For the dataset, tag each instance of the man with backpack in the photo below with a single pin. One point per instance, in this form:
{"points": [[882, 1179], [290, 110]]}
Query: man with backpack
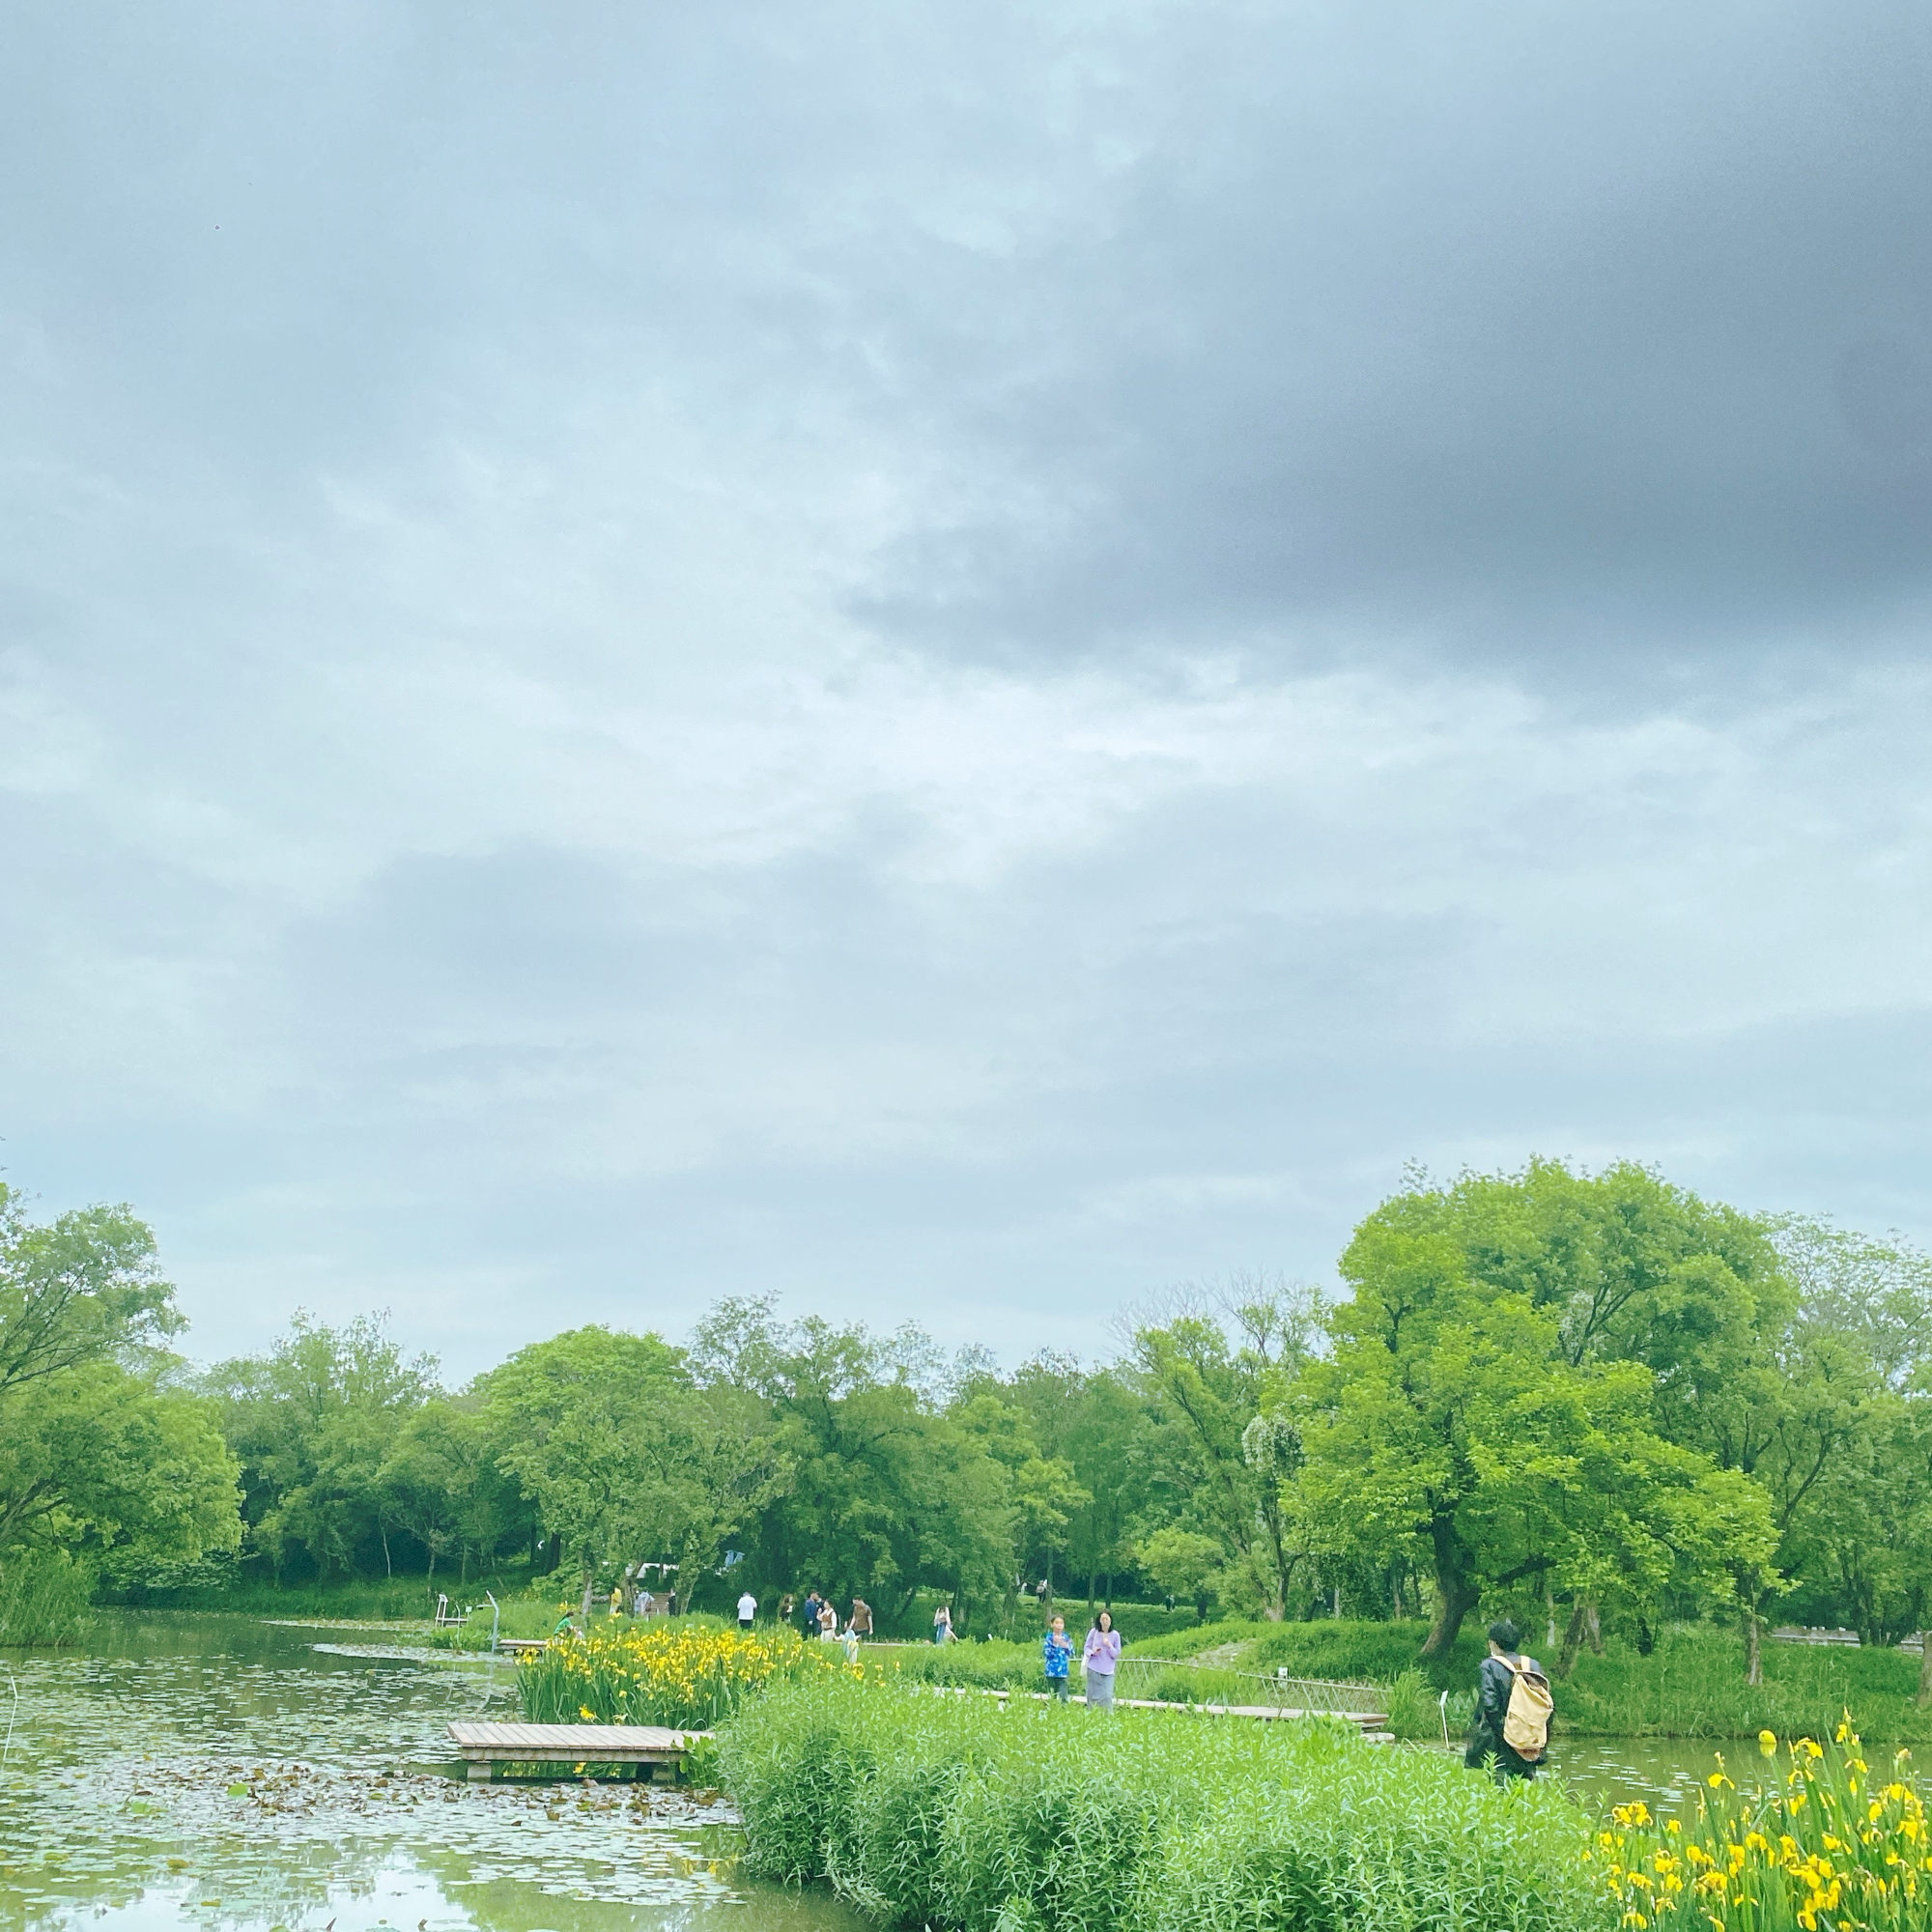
{"points": [[1510, 1729]]}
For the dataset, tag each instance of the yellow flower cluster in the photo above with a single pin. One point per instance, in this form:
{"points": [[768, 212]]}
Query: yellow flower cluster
{"points": [[1827, 1850], [688, 1675]]}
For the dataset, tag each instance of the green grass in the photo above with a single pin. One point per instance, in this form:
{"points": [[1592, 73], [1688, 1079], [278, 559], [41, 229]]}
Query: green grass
{"points": [[1195, 1638], [1691, 1686], [1372, 1653], [992, 1665], [961, 1813]]}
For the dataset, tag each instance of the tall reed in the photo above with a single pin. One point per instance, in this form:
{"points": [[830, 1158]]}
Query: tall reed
{"points": [[44, 1598]]}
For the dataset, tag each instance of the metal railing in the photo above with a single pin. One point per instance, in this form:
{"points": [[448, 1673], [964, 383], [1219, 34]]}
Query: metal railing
{"points": [[1209, 1684]]}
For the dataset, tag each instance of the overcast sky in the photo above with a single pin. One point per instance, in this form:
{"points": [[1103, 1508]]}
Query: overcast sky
{"points": [[953, 660]]}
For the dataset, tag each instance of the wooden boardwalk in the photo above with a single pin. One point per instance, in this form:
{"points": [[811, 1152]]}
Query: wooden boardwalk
{"points": [[638, 1747]]}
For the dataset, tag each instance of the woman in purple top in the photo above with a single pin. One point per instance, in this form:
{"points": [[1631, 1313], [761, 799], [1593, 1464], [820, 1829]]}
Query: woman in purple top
{"points": [[1102, 1654]]}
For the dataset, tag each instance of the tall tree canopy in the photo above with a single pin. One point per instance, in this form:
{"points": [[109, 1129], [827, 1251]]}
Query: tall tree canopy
{"points": [[102, 1453]]}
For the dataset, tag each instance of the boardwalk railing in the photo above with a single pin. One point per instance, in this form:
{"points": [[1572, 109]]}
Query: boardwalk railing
{"points": [[1155, 1677]]}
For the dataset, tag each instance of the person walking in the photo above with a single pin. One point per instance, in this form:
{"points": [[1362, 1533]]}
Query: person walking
{"points": [[1510, 1731], [941, 1624], [1099, 1659], [1057, 1650], [828, 1621], [808, 1615], [785, 1607], [748, 1610], [860, 1623]]}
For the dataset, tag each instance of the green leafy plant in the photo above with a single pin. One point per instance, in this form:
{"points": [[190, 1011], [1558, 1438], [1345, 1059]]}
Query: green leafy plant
{"points": [[964, 1812]]}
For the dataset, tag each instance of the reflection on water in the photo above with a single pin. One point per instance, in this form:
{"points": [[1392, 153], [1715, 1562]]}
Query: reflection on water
{"points": [[221, 1773]]}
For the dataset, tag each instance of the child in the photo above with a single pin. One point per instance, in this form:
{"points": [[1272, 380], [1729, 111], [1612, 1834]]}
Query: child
{"points": [[1057, 1650]]}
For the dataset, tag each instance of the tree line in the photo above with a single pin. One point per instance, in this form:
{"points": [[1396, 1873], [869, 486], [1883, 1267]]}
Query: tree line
{"points": [[1592, 1399]]}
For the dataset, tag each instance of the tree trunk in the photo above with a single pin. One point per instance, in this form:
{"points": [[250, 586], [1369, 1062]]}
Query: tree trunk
{"points": [[584, 1608], [388, 1568], [1593, 1629], [1453, 1603], [1925, 1669], [1572, 1638], [1455, 1595], [1337, 1613], [1754, 1649]]}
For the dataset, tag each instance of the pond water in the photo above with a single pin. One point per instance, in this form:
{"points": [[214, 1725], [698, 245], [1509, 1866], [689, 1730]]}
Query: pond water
{"points": [[221, 1773], [241, 1776], [1665, 1773]]}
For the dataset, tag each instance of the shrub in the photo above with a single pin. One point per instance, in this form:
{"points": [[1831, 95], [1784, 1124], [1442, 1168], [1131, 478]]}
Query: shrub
{"points": [[961, 1812], [1136, 1621]]}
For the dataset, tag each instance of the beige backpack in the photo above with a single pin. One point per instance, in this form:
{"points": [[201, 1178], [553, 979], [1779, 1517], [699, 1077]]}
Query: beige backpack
{"points": [[1526, 1721]]}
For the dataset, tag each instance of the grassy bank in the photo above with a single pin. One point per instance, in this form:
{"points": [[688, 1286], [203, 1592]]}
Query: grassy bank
{"points": [[1691, 1685], [382, 1600], [1030, 1818]]}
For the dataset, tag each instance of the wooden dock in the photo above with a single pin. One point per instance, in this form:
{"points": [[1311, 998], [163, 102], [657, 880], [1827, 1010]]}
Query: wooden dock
{"points": [[640, 1748]]}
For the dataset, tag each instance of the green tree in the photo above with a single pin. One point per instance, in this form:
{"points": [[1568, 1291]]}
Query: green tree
{"points": [[625, 1456], [1458, 1414], [313, 1422], [1180, 1561], [100, 1456], [85, 1287], [1093, 1422], [1204, 1390], [889, 1493], [1043, 1490], [119, 1471], [443, 1482]]}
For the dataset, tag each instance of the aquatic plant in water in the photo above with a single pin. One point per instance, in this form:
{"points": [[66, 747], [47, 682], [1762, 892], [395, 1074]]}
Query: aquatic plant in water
{"points": [[687, 1675], [1828, 1846]]}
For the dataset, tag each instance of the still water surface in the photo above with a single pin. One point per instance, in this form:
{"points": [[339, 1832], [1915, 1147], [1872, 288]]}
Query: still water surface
{"points": [[222, 1773]]}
